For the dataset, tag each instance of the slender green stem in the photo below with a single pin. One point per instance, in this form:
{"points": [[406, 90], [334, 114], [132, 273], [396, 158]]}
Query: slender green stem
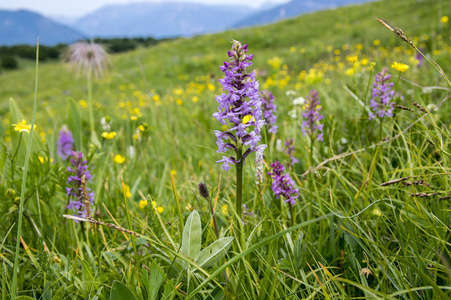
{"points": [[292, 214], [213, 216], [129, 222], [94, 138], [239, 193], [363, 121], [24, 182], [239, 179], [12, 160], [177, 206], [91, 109]]}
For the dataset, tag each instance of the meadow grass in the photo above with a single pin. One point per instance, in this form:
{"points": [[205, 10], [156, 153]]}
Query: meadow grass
{"points": [[372, 220]]}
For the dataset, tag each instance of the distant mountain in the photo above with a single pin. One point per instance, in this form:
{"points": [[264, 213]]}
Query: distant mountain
{"points": [[24, 27], [290, 10], [164, 19]]}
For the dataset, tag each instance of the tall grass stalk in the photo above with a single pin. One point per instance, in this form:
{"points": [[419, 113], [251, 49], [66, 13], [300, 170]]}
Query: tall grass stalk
{"points": [[94, 138], [24, 181]]}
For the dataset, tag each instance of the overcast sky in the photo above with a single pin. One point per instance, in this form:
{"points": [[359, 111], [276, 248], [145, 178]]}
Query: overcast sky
{"points": [[75, 8]]}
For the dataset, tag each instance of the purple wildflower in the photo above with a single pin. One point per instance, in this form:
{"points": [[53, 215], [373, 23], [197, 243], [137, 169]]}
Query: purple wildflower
{"points": [[420, 58], [312, 117], [74, 191], [381, 102], [65, 143], [282, 184], [289, 150], [240, 106], [269, 110]]}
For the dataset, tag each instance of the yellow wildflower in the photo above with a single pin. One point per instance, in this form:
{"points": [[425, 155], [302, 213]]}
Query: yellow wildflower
{"points": [[119, 159], [128, 194], [400, 67], [377, 212], [143, 204], [133, 118], [352, 59], [44, 159], [179, 101], [349, 72], [444, 19], [248, 118], [108, 135], [365, 61], [83, 103], [22, 126], [178, 91], [211, 87], [225, 209], [141, 128], [195, 99], [376, 42], [173, 172]]}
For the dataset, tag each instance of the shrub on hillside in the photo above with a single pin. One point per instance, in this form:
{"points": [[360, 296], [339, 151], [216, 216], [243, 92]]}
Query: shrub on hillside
{"points": [[9, 62]]}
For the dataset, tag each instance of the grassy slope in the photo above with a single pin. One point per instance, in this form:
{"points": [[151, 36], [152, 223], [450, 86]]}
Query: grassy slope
{"points": [[197, 56], [180, 138]]}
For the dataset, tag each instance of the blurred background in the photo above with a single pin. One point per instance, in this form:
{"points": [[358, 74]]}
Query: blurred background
{"points": [[123, 25]]}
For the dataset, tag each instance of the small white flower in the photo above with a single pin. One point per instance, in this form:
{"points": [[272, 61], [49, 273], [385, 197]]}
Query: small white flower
{"points": [[299, 101], [131, 151], [431, 107], [105, 125], [259, 168], [279, 146], [344, 141], [290, 93], [292, 114], [427, 90]]}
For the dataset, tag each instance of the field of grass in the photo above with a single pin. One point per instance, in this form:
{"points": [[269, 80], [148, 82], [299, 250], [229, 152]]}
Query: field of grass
{"points": [[349, 235]]}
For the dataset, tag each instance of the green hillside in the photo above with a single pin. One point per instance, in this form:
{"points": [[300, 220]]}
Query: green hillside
{"points": [[349, 236]]}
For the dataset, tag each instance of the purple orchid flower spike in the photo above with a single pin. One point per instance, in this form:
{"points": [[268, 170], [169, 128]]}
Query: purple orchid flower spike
{"points": [[74, 190], [269, 110], [239, 107], [382, 97], [312, 118], [282, 184], [65, 143]]}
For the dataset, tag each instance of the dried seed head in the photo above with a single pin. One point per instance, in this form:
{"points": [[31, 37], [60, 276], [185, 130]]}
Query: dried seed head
{"points": [[397, 31], [365, 271], [87, 58], [420, 107], [423, 195], [203, 190], [394, 181], [403, 107]]}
